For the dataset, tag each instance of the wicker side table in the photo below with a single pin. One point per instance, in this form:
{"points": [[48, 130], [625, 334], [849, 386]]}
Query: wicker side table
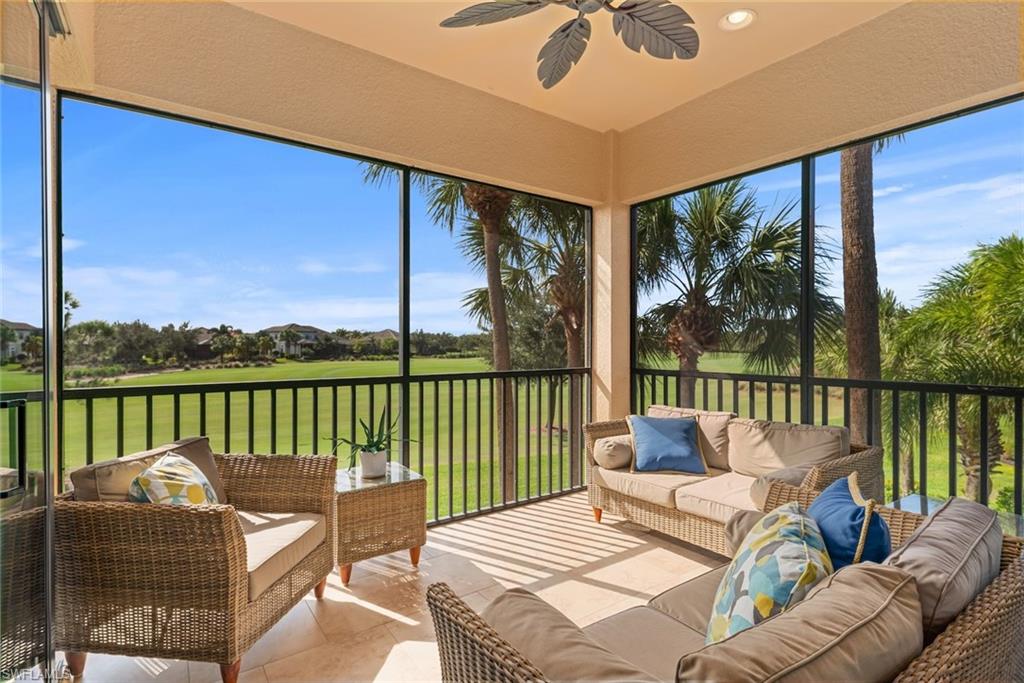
{"points": [[379, 516]]}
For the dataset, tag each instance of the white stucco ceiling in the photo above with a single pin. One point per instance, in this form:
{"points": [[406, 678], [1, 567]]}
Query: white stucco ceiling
{"points": [[612, 88]]}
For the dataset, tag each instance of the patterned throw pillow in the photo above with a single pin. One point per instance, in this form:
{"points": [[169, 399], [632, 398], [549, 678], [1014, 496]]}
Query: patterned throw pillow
{"points": [[172, 480], [776, 565]]}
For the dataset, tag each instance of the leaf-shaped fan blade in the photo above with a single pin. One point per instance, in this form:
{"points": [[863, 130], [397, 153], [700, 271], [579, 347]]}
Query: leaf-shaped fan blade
{"points": [[564, 48], [491, 12], [658, 26]]}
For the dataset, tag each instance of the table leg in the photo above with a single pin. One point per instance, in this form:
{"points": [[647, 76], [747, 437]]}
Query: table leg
{"points": [[346, 573], [414, 556]]}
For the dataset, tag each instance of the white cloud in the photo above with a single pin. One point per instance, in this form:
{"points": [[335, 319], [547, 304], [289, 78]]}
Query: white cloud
{"points": [[1004, 186], [888, 190], [311, 267], [318, 267]]}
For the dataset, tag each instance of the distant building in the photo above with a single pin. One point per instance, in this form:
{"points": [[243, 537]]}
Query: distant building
{"points": [[305, 336], [22, 331], [203, 338]]}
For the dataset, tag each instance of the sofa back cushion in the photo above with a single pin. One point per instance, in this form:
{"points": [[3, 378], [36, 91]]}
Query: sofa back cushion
{"points": [[108, 480], [759, 447], [553, 643], [862, 623], [666, 444], [953, 555], [712, 431]]}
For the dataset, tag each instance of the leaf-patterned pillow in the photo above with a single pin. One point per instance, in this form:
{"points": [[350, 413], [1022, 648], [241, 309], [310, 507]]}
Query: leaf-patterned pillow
{"points": [[776, 565], [172, 480]]}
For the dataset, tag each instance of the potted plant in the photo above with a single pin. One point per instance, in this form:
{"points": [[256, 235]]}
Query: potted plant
{"points": [[373, 448]]}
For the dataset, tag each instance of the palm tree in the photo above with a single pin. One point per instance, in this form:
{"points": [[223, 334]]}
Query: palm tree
{"points": [[264, 344], [733, 272], [70, 304], [860, 280], [473, 207], [290, 338], [33, 347], [969, 330]]}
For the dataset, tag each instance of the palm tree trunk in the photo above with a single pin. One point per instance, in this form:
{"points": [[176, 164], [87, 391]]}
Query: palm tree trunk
{"points": [[969, 445], [491, 207], [688, 383], [860, 286]]}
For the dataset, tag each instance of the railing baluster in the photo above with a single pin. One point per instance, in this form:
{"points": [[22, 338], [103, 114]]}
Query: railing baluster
{"points": [[953, 457], [870, 418], [251, 427], [679, 399], [177, 416], [295, 420], [846, 407], [437, 448], [983, 473], [751, 399], [1018, 452], [419, 425], [789, 402], [515, 441], [770, 390], [149, 421], [736, 396], [227, 421], [561, 433], [664, 391], [719, 394], [824, 404], [353, 408], [922, 443], [89, 419], [551, 429], [526, 438], [479, 400], [490, 441], [273, 421], [387, 411], [641, 382], [120, 426], [704, 393], [316, 421], [451, 448], [465, 448], [202, 413], [334, 419], [540, 434], [895, 444]]}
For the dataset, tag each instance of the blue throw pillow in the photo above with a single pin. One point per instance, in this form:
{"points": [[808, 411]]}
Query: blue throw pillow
{"points": [[666, 444], [843, 515]]}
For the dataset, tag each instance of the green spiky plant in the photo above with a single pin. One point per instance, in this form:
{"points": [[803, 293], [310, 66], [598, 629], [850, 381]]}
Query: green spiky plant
{"points": [[376, 438]]}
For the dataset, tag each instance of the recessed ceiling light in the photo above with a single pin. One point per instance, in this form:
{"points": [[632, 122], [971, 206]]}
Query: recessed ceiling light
{"points": [[737, 19]]}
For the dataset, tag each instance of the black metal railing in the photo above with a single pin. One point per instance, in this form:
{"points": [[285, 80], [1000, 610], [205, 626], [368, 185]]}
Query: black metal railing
{"points": [[939, 439], [482, 440]]}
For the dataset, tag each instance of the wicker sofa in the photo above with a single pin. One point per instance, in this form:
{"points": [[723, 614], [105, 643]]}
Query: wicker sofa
{"points": [[981, 643], [198, 583], [698, 514]]}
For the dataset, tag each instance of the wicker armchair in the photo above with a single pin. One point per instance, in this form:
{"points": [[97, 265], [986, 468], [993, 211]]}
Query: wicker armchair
{"points": [[982, 644], [169, 581], [709, 533]]}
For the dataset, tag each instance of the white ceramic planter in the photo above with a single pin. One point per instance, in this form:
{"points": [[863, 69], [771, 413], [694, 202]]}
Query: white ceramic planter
{"points": [[374, 465]]}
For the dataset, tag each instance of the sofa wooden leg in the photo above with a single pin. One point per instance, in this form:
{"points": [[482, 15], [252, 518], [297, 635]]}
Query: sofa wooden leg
{"points": [[76, 662], [346, 573], [597, 515], [414, 556], [320, 588], [229, 672]]}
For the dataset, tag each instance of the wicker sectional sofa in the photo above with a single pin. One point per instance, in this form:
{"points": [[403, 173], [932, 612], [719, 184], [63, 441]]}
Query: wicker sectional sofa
{"points": [[658, 642], [696, 509]]}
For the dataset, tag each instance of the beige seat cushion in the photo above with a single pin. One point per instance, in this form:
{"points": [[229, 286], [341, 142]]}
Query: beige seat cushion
{"points": [[712, 430], [654, 487], [717, 498], [953, 555], [614, 452], [691, 602], [860, 624], [277, 541], [553, 643], [648, 639], [108, 480], [759, 447]]}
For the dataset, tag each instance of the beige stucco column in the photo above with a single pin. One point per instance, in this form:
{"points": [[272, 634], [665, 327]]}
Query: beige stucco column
{"points": [[610, 360]]}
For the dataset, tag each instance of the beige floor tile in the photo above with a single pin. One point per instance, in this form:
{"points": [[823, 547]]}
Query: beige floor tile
{"points": [[358, 608], [203, 672], [358, 658], [100, 668]]}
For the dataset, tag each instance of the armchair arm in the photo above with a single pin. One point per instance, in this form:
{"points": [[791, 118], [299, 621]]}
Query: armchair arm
{"points": [[279, 483], [599, 430], [124, 567], [866, 461]]}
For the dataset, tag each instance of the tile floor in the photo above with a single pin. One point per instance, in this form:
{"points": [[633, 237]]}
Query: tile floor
{"points": [[379, 629]]}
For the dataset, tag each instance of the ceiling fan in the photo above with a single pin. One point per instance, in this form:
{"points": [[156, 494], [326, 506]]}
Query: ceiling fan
{"points": [[657, 26]]}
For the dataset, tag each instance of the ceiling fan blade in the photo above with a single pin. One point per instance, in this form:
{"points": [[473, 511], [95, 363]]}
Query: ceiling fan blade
{"points": [[492, 12], [564, 49], [658, 26]]}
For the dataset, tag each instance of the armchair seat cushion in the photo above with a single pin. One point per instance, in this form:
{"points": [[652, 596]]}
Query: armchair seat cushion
{"points": [[716, 498], [647, 638], [654, 487], [277, 541]]}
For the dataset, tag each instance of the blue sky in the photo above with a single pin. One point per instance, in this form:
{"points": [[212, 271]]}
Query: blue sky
{"points": [[166, 221], [939, 192]]}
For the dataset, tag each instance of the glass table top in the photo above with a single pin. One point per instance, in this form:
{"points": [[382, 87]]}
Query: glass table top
{"points": [[352, 479]]}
